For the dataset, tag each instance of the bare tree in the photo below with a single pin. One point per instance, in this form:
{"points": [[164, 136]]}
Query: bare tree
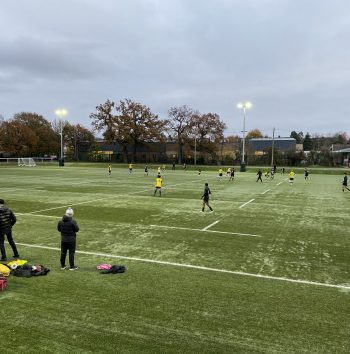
{"points": [[210, 130], [128, 123], [181, 123], [139, 123]]}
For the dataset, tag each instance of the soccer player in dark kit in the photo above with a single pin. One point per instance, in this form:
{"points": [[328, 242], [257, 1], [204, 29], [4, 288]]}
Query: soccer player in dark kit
{"points": [[345, 182], [205, 198], [259, 174]]}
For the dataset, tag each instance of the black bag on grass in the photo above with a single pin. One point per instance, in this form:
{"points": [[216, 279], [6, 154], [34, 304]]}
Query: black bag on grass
{"points": [[114, 270]]}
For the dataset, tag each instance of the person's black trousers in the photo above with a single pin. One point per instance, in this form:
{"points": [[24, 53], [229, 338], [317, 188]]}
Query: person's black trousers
{"points": [[67, 246], [8, 234]]}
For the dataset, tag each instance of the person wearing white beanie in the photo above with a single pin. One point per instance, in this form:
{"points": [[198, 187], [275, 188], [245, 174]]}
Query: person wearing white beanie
{"points": [[68, 228]]}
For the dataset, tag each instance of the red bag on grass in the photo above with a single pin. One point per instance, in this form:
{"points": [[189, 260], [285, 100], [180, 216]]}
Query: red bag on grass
{"points": [[3, 283]]}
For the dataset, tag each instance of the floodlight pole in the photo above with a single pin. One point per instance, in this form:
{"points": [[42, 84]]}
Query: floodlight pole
{"points": [[61, 121], [243, 147], [243, 106], [195, 150], [273, 147], [61, 113]]}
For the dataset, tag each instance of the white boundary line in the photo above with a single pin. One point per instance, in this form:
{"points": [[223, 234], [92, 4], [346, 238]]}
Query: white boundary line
{"points": [[201, 230], [183, 265], [39, 215], [209, 226], [243, 205], [268, 190]]}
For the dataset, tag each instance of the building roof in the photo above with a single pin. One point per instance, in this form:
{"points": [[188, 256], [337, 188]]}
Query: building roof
{"points": [[270, 139], [343, 150]]}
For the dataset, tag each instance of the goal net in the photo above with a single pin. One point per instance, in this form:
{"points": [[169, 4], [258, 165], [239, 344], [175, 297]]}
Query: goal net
{"points": [[26, 161]]}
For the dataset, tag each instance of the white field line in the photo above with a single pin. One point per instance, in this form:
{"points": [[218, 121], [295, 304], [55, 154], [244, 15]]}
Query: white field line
{"points": [[39, 215], [5, 189], [86, 202], [268, 190], [183, 265], [243, 205], [209, 226], [286, 179], [104, 198], [201, 230], [161, 226]]}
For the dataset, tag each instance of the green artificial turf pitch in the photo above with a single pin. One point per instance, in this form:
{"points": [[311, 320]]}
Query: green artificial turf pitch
{"points": [[271, 276]]}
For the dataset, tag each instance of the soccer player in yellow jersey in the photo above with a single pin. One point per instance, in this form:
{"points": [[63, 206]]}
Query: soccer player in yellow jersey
{"points": [[220, 174], [130, 168], [158, 186], [109, 170], [291, 177]]}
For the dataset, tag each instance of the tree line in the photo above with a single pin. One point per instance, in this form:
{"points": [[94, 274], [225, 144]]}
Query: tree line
{"points": [[30, 134], [130, 123], [133, 125]]}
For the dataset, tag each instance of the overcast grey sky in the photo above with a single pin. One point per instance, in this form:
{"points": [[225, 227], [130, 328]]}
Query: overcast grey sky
{"points": [[290, 58]]}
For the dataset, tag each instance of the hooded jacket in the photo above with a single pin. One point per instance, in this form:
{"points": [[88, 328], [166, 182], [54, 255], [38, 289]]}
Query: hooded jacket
{"points": [[7, 218], [68, 228]]}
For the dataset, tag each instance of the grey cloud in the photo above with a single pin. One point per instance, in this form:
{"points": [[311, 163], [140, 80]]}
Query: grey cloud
{"points": [[55, 60], [289, 57]]}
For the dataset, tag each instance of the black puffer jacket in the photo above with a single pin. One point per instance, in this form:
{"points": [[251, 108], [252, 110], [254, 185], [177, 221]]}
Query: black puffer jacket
{"points": [[68, 228], [7, 218]]}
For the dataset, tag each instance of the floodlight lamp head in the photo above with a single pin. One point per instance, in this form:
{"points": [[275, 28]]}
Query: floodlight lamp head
{"points": [[61, 112], [240, 105]]}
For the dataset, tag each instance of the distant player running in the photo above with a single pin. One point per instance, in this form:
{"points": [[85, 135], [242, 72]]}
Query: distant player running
{"points": [[146, 170], [109, 170], [345, 183], [158, 186], [232, 174], [220, 174], [306, 174], [205, 198], [130, 168], [259, 174], [291, 177]]}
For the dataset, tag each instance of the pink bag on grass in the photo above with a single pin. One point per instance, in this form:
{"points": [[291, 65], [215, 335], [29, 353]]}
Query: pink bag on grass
{"points": [[104, 266]]}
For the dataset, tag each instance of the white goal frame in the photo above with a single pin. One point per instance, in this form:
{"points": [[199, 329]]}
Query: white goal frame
{"points": [[26, 162]]}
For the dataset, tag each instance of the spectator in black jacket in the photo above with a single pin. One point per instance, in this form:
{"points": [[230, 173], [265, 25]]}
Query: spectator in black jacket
{"points": [[7, 220], [68, 228]]}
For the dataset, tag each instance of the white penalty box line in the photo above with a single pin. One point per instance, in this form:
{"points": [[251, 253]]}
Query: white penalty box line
{"points": [[209, 226], [104, 198], [205, 230], [243, 205], [268, 190], [190, 266]]}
